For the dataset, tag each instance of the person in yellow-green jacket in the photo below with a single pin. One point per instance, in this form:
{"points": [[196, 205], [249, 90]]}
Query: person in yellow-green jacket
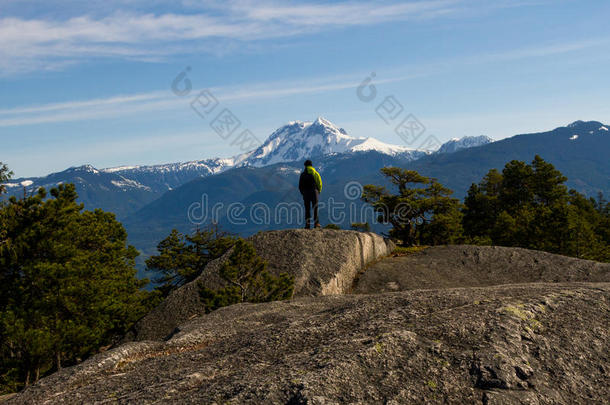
{"points": [[310, 186]]}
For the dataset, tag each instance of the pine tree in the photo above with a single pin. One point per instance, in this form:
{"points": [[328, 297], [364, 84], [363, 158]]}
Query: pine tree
{"points": [[67, 283], [247, 280], [5, 175], [528, 205], [423, 211], [181, 258]]}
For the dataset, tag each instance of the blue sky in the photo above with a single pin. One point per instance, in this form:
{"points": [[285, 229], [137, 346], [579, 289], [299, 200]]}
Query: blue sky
{"points": [[90, 82]]}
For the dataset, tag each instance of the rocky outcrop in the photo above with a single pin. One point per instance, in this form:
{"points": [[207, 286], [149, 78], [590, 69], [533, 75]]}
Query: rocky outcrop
{"points": [[476, 266], [322, 261], [530, 343], [524, 327]]}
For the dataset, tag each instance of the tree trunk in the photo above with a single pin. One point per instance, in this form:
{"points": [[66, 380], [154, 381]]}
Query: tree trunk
{"points": [[27, 378], [58, 360], [37, 375]]}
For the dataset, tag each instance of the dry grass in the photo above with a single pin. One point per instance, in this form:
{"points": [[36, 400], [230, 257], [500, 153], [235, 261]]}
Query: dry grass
{"points": [[407, 251]]}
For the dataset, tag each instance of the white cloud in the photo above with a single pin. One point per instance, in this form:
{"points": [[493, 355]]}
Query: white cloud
{"points": [[164, 100], [123, 105], [28, 44], [137, 30]]}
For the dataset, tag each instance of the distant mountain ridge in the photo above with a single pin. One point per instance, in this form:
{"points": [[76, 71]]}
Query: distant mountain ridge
{"points": [[579, 150], [125, 189]]}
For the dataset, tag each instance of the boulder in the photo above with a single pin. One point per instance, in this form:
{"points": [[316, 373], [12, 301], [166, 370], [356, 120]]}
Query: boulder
{"points": [[476, 266], [322, 261]]}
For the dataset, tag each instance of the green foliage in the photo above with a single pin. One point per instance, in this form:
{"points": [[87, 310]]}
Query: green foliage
{"points": [[181, 258], [5, 175], [67, 284], [247, 280], [423, 211], [361, 226], [332, 226], [528, 205]]}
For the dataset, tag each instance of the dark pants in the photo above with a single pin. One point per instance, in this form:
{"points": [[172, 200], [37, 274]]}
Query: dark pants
{"points": [[311, 200]]}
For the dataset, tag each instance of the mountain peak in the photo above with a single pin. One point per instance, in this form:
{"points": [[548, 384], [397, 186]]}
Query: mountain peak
{"points": [[456, 144], [300, 140], [576, 124], [84, 168], [323, 121], [322, 124], [580, 123]]}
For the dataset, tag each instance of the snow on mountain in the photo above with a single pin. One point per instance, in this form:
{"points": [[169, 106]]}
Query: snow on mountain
{"points": [[456, 144], [128, 183], [576, 124], [83, 168], [300, 140], [372, 144], [210, 166], [24, 183], [297, 140], [582, 129]]}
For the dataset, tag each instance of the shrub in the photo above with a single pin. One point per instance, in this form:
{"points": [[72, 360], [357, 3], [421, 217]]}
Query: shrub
{"points": [[182, 258], [247, 280], [361, 226]]}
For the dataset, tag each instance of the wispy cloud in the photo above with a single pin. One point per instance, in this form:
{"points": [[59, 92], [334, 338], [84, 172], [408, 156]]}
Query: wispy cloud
{"points": [[47, 42], [123, 105], [164, 100]]}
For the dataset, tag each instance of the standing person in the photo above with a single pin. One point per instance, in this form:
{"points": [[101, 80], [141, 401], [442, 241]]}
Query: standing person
{"points": [[310, 186]]}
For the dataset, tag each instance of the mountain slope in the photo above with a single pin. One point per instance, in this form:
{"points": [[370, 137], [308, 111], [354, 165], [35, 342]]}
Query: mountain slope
{"points": [[583, 160], [95, 188]]}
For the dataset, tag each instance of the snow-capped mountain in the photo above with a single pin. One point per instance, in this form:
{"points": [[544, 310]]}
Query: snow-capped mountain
{"points": [[456, 144], [126, 188], [300, 140]]}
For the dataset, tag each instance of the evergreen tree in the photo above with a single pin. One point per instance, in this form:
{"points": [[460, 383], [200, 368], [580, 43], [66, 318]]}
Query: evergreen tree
{"points": [[482, 204], [528, 205], [181, 258], [423, 211], [602, 228], [5, 175], [247, 280], [445, 217], [67, 284]]}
